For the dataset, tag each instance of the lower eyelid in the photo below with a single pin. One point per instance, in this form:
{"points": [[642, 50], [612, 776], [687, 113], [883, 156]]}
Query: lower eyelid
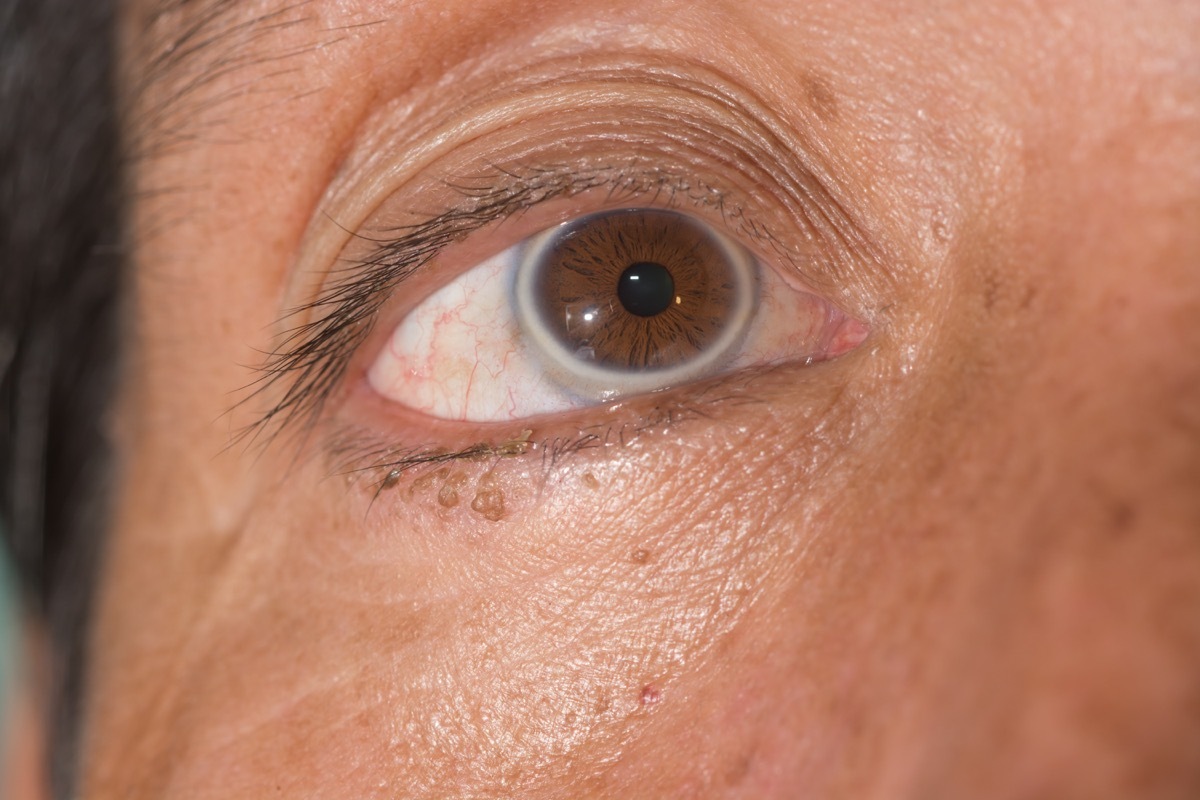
{"points": [[404, 445]]}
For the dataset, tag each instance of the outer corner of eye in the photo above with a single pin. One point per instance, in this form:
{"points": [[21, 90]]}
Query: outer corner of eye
{"points": [[607, 305]]}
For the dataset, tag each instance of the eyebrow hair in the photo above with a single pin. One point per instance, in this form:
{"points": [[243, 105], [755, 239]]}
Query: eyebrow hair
{"points": [[184, 28], [171, 33], [183, 47]]}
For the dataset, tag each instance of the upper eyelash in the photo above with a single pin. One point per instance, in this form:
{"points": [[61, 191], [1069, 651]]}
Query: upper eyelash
{"points": [[311, 359]]}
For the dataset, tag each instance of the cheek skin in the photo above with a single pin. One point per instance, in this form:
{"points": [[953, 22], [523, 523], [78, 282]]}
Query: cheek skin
{"points": [[512, 657]]}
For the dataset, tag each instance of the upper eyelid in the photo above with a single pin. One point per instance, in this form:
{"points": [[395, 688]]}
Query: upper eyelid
{"points": [[693, 110], [509, 192]]}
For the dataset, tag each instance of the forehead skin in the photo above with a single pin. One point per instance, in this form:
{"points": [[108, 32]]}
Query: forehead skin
{"points": [[961, 561]]}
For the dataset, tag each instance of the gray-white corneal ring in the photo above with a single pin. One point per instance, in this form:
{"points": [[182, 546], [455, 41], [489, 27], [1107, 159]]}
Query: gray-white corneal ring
{"points": [[595, 382]]}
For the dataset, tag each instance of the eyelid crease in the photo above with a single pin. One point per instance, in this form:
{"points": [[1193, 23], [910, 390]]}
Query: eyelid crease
{"points": [[694, 109]]}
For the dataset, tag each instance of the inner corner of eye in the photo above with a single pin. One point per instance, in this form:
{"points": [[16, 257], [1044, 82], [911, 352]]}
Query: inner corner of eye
{"points": [[604, 306]]}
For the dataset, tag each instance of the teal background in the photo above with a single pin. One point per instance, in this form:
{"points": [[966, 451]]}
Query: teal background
{"points": [[8, 637]]}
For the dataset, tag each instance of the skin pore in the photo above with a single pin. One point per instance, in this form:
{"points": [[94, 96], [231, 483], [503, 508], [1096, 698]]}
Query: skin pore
{"points": [[958, 560]]}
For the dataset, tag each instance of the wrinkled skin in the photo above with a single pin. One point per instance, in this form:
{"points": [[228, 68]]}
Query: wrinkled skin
{"points": [[961, 560]]}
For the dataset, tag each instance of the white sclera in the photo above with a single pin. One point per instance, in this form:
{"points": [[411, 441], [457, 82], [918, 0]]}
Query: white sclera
{"points": [[460, 354], [463, 354]]}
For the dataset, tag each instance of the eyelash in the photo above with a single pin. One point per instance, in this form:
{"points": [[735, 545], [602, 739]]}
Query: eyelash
{"points": [[362, 455], [311, 360]]}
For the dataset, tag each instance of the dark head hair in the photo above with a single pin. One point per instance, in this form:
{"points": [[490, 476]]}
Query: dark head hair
{"points": [[59, 287]]}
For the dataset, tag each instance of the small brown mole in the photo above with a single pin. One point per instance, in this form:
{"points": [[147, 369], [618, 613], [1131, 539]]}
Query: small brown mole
{"points": [[489, 503], [390, 480], [448, 495], [589, 480], [821, 96], [423, 482], [640, 556]]}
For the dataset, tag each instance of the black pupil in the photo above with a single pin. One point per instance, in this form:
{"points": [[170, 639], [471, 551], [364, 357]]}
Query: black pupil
{"points": [[646, 289]]}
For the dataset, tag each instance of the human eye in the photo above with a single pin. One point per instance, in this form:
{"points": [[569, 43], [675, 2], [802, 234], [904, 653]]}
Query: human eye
{"points": [[605, 306], [482, 286]]}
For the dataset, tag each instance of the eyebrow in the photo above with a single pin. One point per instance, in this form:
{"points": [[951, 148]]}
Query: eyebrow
{"points": [[180, 30], [182, 47]]}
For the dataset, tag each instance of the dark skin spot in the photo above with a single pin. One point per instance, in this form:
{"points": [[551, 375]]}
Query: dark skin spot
{"points": [[425, 481], [1002, 293], [489, 503], [1122, 517], [739, 768], [990, 291], [1028, 297], [448, 496], [821, 97]]}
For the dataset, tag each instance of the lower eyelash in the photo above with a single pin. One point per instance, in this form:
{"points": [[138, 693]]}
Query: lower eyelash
{"points": [[386, 466]]}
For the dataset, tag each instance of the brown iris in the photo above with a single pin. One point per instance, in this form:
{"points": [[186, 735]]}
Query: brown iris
{"points": [[635, 289]]}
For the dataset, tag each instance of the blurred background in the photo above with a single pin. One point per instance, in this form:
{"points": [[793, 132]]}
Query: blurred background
{"points": [[10, 656]]}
